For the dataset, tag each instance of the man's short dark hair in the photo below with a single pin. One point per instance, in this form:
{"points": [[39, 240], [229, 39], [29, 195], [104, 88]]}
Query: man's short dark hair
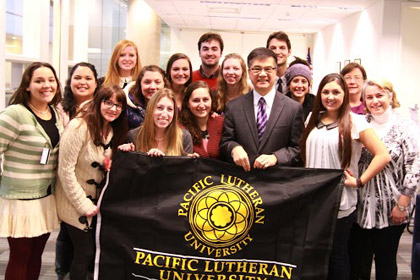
{"points": [[209, 36], [260, 53], [281, 36]]}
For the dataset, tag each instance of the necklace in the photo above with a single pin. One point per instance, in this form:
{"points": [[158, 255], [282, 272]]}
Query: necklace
{"points": [[160, 139], [39, 111]]}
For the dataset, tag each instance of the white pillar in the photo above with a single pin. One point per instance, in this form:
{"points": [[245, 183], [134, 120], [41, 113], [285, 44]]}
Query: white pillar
{"points": [[81, 31], [56, 35], [44, 34], [143, 28], [64, 41]]}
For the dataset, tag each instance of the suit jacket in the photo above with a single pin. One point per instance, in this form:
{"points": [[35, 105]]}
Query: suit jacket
{"points": [[282, 134]]}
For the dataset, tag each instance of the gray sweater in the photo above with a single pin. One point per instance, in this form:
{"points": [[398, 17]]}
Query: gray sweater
{"points": [[187, 144]]}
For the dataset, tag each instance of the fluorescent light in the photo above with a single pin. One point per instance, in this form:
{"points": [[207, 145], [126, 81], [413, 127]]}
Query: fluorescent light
{"points": [[224, 10], [322, 7]]}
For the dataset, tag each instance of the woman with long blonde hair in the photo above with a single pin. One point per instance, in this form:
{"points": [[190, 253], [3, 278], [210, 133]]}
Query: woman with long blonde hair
{"points": [[232, 80], [124, 65], [160, 135]]}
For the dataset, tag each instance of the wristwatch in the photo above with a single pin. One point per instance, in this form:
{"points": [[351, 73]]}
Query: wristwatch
{"points": [[402, 208]]}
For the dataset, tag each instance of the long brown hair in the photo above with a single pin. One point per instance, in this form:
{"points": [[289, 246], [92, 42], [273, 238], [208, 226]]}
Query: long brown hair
{"points": [[113, 74], [136, 91], [222, 85], [95, 122], [343, 119], [188, 120], [22, 95], [147, 134], [171, 61]]}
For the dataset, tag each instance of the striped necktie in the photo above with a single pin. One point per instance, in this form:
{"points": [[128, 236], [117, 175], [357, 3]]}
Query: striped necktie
{"points": [[261, 118], [280, 86]]}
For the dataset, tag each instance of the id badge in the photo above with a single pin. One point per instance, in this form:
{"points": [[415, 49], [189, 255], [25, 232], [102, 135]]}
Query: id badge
{"points": [[45, 156]]}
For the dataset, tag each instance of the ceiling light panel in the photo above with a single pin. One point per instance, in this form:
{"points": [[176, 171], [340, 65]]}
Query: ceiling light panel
{"points": [[351, 4], [255, 15], [223, 10]]}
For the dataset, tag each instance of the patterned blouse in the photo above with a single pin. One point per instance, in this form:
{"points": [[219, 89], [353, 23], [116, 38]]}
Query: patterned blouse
{"points": [[400, 176]]}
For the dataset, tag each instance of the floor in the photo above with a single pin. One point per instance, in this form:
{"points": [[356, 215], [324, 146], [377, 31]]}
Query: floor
{"points": [[47, 272]]}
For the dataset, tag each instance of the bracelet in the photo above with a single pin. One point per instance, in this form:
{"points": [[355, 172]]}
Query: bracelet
{"points": [[402, 208], [359, 183]]}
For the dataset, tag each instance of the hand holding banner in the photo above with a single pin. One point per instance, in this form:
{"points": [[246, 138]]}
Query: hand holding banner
{"points": [[177, 218]]}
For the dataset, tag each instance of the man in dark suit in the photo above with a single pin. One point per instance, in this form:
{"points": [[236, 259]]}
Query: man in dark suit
{"points": [[262, 128]]}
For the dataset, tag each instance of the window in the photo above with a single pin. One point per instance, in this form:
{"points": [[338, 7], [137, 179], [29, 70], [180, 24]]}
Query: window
{"points": [[107, 26], [165, 44], [14, 26]]}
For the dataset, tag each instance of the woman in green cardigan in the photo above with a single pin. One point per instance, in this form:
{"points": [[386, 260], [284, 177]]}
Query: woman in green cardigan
{"points": [[30, 130]]}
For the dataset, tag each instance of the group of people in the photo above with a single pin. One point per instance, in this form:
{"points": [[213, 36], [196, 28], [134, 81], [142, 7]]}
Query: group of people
{"points": [[58, 147]]}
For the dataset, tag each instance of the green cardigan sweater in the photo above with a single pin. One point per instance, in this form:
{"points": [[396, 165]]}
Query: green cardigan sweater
{"points": [[22, 140]]}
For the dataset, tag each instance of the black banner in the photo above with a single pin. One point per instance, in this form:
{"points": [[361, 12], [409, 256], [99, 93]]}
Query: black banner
{"points": [[176, 218]]}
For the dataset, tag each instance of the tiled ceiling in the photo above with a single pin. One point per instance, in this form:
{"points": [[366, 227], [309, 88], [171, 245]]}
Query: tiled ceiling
{"points": [[293, 16]]}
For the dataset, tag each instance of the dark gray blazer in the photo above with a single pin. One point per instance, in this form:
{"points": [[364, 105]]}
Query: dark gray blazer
{"points": [[281, 137]]}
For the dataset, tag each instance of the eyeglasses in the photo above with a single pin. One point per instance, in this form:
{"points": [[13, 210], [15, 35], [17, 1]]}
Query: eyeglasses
{"points": [[259, 69], [354, 78], [109, 104]]}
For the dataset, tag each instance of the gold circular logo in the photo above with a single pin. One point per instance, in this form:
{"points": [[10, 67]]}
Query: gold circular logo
{"points": [[221, 215]]}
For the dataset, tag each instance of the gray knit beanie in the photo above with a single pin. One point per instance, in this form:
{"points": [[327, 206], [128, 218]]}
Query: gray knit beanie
{"points": [[298, 70]]}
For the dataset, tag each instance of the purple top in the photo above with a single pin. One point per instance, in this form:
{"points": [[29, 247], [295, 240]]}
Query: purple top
{"points": [[360, 110]]}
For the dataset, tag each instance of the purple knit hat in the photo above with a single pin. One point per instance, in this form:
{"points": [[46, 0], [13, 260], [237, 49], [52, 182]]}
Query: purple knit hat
{"points": [[298, 70]]}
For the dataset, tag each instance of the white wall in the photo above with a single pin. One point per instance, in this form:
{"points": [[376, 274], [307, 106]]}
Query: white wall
{"points": [[409, 90], [357, 36], [185, 41], [384, 36]]}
